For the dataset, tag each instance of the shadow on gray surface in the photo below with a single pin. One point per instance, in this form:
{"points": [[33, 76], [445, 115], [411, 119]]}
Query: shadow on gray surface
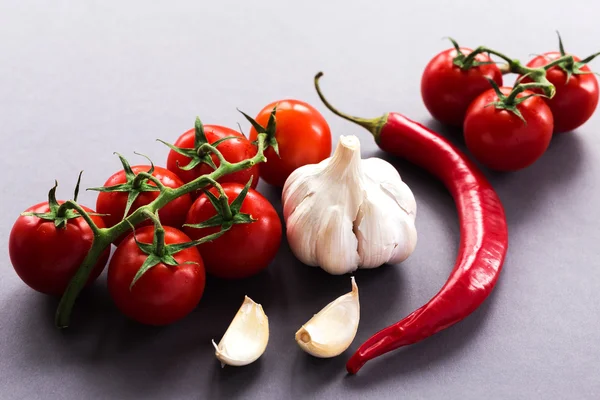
{"points": [[524, 192]]}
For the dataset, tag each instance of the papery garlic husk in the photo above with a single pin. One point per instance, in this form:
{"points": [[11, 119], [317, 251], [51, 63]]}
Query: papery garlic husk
{"points": [[330, 332], [346, 213], [246, 337]]}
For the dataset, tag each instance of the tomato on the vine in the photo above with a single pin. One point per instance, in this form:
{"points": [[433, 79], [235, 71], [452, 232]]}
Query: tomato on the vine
{"points": [[46, 256], [500, 139], [164, 293], [447, 89], [113, 203], [576, 98], [246, 248], [303, 137], [235, 149]]}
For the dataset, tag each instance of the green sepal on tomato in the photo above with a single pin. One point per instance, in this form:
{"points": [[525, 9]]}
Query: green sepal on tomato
{"points": [[252, 231], [508, 132], [453, 79], [576, 86], [124, 192], [301, 136], [47, 245], [188, 161], [156, 285]]}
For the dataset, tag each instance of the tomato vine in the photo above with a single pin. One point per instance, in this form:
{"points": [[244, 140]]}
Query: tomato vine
{"points": [[103, 237]]}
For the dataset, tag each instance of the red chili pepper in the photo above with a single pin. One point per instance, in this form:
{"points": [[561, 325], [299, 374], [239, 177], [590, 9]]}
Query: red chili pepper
{"points": [[484, 234]]}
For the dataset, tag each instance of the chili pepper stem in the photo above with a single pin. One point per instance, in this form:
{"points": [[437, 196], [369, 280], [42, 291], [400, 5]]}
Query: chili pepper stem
{"points": [[373, 125]]}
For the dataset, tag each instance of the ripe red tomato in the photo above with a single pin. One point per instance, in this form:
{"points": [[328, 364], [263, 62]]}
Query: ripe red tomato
{"points": [[46, 257], [499, 139], [164, 294], [303, 137], [244, 250], [113, 203], [234, 150], [575, 101], [447, 90]]}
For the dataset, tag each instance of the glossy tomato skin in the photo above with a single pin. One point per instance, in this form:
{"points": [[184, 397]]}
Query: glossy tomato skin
{"points": [[244, 250], [45, 257], [575, 101], [234, 150], [303, 137], [500, 140], [113, 203], [447, 90], [164, 294]]}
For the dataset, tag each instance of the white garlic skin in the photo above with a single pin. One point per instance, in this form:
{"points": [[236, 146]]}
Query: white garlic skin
{"points": [[346, 213]]}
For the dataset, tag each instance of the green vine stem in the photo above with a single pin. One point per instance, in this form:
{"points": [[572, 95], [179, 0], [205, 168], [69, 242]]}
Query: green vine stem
{"points": [[514, 66], [103, 237], [223, 199]]}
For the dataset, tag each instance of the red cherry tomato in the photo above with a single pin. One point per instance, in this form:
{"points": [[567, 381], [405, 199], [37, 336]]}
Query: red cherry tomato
{"points": [[499, 139], [113, 203], [234, 150], [447, 90], [303, 137], [164, 294], [575, 101], [244, 250], [46, 257]]}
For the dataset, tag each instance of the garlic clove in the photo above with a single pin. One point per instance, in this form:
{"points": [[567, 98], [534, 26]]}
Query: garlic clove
{"points": [[330, 332], [246, 337]]}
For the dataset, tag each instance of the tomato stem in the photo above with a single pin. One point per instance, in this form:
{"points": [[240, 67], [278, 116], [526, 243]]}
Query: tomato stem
{"points": [[63, 312], [482, 49], [519, 88], [103, 237], [224, 200], [568, 60], [72, 204]]}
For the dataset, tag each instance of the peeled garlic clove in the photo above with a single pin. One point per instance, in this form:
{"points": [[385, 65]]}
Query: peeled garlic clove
{"points": [[246, 337], [330, 332]]}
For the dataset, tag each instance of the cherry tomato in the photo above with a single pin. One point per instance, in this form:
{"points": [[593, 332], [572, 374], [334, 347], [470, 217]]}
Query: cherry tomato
{"points": [[244, 250], [46, 257], [113, 203], [575, 101], [499, 139], [447, 90], [234, 150], [164, 294], [303, 137]]}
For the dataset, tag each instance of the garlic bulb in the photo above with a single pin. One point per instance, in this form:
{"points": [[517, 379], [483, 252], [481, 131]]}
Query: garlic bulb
{"points": [[346, 213], [330, 332], [246, 338]]}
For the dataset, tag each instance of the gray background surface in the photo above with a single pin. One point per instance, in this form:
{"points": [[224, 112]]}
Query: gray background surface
{"points": [[79, 80]]}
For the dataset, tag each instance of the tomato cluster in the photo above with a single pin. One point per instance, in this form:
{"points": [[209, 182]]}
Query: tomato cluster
{"points": [[157, 272], [554, 93]]}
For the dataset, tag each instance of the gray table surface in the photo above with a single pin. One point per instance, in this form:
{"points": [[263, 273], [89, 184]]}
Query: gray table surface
{"points": [[79, 80]]}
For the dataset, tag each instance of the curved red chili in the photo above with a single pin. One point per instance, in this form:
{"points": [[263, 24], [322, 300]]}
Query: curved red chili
{"points": [[483, 233]]}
